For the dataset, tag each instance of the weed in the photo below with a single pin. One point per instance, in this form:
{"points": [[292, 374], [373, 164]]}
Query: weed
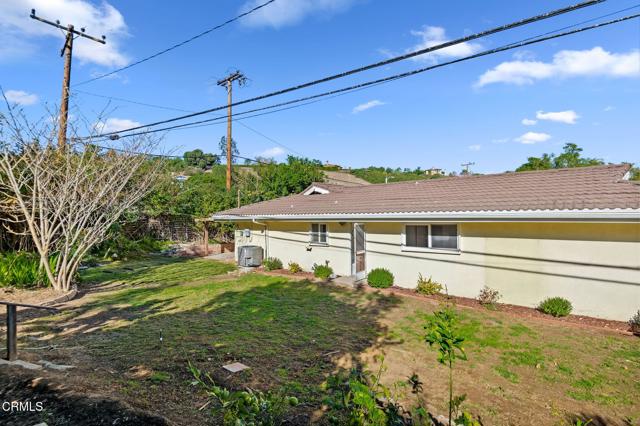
{"points": [[272, 263], [428, 286]]}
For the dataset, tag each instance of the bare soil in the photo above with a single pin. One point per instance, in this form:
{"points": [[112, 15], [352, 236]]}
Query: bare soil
{"points": [[519, 311]]}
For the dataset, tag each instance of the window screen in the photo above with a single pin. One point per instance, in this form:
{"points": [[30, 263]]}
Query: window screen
{"points": [[444, 236], [319, 233], [417, 236]]}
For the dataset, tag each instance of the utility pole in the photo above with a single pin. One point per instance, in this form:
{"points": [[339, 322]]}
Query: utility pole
{"points": [[67, 50], [466, 167], [228, 83]]}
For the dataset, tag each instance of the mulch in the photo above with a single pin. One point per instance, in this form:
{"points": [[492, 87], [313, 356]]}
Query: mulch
{"points": [[517, 311], [287, 273]]}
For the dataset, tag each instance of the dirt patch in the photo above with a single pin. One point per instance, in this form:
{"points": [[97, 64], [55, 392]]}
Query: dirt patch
{"points": [[32, 297], [515, 310], [287, 273], [57, 405]]}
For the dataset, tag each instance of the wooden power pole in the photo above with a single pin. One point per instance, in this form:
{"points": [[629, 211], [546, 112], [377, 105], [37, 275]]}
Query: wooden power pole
{"points": [[67, 50], [228, 83]]}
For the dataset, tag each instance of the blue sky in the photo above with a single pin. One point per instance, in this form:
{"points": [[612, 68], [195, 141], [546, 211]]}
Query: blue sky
{"points": [[583, 88]]}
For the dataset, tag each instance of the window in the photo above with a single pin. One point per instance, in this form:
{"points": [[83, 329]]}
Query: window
{"points": [[417, 236], [318, 233], [431, 236], [444, 236]]}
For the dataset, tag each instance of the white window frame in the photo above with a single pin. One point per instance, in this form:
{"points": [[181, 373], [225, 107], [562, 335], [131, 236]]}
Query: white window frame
{"points": [[429, 249], [326, 233]]}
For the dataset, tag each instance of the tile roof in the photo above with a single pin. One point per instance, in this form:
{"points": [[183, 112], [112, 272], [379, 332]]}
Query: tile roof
{"points": [[585, 188]]}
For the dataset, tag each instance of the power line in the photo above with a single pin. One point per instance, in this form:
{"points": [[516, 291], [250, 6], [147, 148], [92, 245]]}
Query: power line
{"points": [[180, 157], [216, 120], [131, 101], [378, 64], [338, 92], [182, 43], [186, 110]]}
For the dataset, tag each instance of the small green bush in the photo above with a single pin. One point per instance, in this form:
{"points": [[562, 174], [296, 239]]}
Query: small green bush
{"points": [[380, 278], [22, 270], [272, 263], [294, 267], [322, 271], [244, 407], [556, 306], [428, 286]]}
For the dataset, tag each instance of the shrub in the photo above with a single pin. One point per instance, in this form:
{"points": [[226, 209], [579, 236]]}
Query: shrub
{"points": [[118, 246], [245, 407], [428, 286], [380, 278], [488, 296], [634, 322], [272, 263], [358, 397], [322, 271], [294, 267], [556, 306], [22, 270]]}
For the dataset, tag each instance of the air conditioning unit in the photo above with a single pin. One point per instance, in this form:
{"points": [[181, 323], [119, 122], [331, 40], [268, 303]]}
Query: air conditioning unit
{"points": [[250, 256]]}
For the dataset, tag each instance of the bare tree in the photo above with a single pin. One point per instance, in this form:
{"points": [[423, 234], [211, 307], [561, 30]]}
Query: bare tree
{"points": [[67, 199]]}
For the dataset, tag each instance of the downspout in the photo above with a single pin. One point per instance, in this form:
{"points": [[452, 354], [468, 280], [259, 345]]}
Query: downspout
{"points": [[266, 236]]}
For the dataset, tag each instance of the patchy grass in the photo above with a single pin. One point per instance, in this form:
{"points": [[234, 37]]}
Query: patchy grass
{"points": [[157, 314]]}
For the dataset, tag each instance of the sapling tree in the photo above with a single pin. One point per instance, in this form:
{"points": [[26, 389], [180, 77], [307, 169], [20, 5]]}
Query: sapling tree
{"points": [[442, 333], [66, 199]]}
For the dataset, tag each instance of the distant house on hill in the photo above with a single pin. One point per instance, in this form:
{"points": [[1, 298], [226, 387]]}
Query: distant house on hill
{"points": [[434, 171], [330, 166], [572, 233]]}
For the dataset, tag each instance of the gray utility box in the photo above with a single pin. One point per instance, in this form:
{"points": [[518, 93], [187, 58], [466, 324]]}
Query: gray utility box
{"points": [[250, 256]]}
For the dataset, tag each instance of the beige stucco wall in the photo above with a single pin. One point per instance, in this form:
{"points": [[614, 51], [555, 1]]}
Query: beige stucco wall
{"points": [[594, 265], [289, 242]]}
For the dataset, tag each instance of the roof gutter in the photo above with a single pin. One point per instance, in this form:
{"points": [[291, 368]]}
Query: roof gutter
{"points": [[593, 215]]}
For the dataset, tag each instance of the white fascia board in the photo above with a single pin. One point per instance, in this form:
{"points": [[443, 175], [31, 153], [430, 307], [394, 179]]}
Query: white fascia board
{"points": [[597, 215], [317, 189]]}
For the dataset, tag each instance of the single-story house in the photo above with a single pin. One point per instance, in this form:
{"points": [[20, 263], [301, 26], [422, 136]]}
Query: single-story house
{"points": [[573, 233]]}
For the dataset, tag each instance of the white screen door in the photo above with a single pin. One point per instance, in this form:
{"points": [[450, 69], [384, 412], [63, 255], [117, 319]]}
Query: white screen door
{"points": [[359, 251]]}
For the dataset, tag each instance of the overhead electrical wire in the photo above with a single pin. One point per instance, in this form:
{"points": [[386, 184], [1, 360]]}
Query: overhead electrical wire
{"points": [[186, 110], [337, 92], [419, 52], [177, 45]]}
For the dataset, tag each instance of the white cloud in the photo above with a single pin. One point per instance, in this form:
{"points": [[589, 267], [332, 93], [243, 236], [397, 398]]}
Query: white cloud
{"points": [[524, 55], [566, 63], [530, 138], [433, 36], [20, 97], [609, 108], [500, 141], [115, 125], [290, 12], [367, 105], [97, 19], [568, 117], [276, 151], [475, 147], [528, 122]]}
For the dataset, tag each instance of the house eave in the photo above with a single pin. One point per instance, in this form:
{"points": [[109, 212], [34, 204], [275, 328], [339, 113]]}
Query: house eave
{"points": [[586, 215]]}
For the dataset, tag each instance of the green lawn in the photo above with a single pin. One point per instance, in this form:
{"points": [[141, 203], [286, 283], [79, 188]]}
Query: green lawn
{"points": [[136, 332]]}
